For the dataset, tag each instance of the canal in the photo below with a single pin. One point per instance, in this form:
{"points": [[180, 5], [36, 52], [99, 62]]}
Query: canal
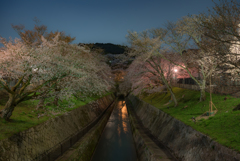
{"points": [[116, 142]]}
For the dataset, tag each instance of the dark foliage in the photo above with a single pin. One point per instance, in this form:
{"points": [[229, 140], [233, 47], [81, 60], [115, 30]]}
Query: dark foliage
{"points": [[107, 48]]}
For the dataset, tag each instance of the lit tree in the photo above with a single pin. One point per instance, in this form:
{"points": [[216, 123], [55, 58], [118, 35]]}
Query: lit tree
{"points": [[177, 38], [221, 26], [41, 69], [141, 77], [149, 65], [32, 38]]}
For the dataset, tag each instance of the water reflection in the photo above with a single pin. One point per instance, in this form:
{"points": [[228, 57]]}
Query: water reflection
{"points": [[124, 117], [116, 142]]}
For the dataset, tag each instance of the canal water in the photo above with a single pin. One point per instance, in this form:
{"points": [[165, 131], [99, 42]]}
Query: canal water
{"points": [[116, 142]]}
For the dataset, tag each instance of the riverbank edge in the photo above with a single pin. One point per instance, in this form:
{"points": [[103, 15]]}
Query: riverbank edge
{"points": [[84, 148], [182, 140], [146, 148], [52, 138]]}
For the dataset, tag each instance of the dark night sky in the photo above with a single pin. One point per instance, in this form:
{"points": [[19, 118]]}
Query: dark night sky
{"points": [[91, 21]]}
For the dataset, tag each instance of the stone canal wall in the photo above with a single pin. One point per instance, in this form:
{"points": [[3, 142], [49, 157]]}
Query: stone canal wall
{"points": [[182, 140], [47, 141], [147, 146], [84, 148]]}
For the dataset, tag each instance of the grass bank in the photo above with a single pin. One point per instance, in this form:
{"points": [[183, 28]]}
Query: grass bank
{"points": [[25, 114], [223, 127]]}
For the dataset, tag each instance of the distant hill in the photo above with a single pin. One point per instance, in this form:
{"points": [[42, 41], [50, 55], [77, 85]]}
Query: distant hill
{"points": [[107, 48]]}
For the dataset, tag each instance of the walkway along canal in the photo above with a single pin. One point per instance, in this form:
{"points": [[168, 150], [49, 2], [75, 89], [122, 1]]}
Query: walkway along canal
{"points": [[116, 142]]}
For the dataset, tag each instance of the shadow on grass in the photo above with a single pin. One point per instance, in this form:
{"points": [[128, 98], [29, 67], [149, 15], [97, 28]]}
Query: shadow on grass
{"points": [[12, 121]]}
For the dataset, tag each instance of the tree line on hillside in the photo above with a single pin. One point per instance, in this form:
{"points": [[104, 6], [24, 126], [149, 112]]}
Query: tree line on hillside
{"points": [[207, 43], [106, 48]]}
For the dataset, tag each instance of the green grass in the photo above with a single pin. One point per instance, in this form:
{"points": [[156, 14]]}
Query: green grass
{"points": [[25, 114], [224, 127]]}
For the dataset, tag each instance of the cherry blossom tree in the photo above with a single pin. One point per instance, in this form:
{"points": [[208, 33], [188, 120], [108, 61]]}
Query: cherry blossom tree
{"points": [[138, 79], [221, 26], [215, 38], [148, 70], [52, 65], [33, 37], [178, 37]]}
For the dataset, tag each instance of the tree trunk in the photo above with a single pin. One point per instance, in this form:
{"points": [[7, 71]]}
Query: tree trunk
{"points": [[173, 97], [57, 91], [171, 92], [55, 102], [56, 98], [9, 107], [202, 90], [41, 103], [158, 67]]}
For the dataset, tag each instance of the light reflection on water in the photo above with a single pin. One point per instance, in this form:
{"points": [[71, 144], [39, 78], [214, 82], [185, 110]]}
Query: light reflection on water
{"points": [[116, 142], [124, 117]]}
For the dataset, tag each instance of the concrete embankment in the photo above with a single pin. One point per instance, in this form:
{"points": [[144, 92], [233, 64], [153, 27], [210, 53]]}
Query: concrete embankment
{"points": [[84, 148], [49, 140], [180, 139], [147, 146]]}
